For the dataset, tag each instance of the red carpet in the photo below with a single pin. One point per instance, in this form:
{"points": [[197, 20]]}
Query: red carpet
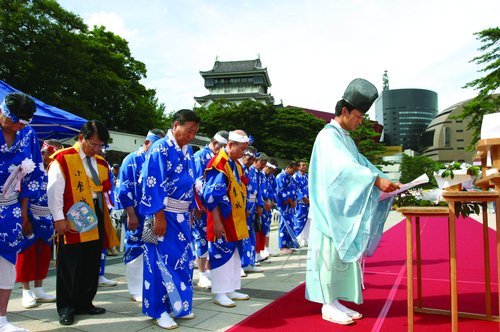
{"points": [[384, 307]]}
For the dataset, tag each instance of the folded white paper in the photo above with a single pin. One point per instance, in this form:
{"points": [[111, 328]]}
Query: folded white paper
{"points": [[420, 180]]}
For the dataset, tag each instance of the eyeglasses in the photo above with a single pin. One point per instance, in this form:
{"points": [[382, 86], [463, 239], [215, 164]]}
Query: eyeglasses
{"points": [[95, 146]]}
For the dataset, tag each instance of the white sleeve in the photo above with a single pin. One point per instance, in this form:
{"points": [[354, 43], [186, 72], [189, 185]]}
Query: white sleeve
{"points": [[55, 190]]}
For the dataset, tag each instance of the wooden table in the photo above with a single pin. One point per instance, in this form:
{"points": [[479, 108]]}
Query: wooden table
{"points": [[416, 212], [486, 149], [483, 197]]}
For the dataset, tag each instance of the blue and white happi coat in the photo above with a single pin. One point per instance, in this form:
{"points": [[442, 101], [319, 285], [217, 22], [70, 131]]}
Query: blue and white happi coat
{"points": [[25, 148], [302, 209], [128, 193], [168, 185], [268, 194], [40, 217], [285, 189], [254, 199], [215, 194], [201, 159]]}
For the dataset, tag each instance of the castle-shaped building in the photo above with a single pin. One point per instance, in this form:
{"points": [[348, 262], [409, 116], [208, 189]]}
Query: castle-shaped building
{"points": [[236, 81]]}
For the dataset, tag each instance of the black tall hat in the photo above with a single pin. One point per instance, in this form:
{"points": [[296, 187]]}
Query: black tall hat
{"points": [[361, 94]]}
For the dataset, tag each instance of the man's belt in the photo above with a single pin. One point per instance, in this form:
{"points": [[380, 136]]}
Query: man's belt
{"points": [[9, 200], [177, 206], [39, 210], [252, 198]]}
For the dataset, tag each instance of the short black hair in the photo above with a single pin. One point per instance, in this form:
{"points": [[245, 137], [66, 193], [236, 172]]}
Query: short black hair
{"points": [[340, 104], [184, 115], [291, 164], [20, 105], [95, 127]]}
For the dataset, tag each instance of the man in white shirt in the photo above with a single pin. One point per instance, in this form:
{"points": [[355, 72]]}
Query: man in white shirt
{"points": [[78, 174]]}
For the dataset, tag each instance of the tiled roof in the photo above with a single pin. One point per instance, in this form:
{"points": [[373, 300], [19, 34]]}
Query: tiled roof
{"points": [[235, 97], [236, 66]]}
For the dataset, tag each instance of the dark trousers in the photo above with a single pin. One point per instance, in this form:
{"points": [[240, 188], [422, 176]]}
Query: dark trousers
{"points": [[78, 272]]}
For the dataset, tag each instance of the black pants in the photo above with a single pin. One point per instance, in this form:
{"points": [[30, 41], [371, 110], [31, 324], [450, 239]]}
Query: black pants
{"points": [[78, 272]]}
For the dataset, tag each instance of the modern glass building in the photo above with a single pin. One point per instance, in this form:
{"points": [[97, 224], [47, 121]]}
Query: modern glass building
{"points": [[446, 138], [405, 115]]}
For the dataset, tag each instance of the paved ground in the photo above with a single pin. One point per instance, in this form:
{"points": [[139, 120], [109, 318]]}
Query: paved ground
{"points": [[281, 275]]}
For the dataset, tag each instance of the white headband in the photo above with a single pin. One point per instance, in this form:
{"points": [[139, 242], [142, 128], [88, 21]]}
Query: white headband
{"points": [[220, 139], [270, 165], [235, 137]]}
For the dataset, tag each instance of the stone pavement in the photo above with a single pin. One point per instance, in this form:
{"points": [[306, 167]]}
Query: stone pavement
{"points": [[281, 275]]}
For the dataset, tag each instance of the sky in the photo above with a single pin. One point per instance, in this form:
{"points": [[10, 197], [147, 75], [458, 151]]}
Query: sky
{"points": [[311, 49]]}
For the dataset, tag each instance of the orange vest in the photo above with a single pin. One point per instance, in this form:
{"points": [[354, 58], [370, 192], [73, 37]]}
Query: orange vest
{"points": [[235, 225], [79, 187]]}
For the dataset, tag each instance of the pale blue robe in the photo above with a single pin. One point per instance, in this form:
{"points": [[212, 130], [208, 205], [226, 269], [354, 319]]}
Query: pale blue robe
{"points": [[347, 217]]}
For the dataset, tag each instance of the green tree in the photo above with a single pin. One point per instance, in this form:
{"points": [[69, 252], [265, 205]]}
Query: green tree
{"points": [[366, 139], [280, 132], [413, 167], [51, 54], [485, 102]]}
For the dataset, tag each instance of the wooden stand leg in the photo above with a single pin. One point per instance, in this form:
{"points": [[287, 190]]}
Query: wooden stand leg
{"points": [[419, 263], [453, 268], [497, 215], [486, 244], [409, 268]]}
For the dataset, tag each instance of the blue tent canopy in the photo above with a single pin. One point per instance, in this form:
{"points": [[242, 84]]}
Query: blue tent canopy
{"points": [[49, 121]]}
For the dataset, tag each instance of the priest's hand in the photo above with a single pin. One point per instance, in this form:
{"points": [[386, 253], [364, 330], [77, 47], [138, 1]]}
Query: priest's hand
{"points": [[386, 185]]}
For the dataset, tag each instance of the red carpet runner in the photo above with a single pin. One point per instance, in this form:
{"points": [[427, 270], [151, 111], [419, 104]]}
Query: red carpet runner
{"points": [[384, 306]]}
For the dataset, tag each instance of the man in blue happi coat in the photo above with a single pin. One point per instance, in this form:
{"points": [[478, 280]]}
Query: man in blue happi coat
{"points": [[128, 192], [200, 243], [269, 197], [167, 199], [255, 205], [286, 195], [302, 208], [347, 217], [21, 176]]}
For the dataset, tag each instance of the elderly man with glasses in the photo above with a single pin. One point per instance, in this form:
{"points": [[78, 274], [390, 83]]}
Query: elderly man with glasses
{"points": [[226, 196], [77, 179]]}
